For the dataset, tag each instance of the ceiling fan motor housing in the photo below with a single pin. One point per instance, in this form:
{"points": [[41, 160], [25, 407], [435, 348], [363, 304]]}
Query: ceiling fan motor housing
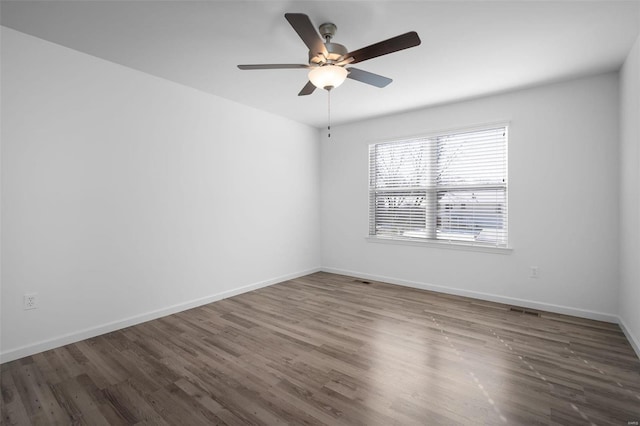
{"points": [[336, 52]]}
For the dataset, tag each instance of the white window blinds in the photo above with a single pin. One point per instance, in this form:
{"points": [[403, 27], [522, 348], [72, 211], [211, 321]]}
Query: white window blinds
{"points": [[449, 187]]}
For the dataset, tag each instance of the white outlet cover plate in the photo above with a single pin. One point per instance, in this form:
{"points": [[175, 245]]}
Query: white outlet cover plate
{"points": [[30, 301]]}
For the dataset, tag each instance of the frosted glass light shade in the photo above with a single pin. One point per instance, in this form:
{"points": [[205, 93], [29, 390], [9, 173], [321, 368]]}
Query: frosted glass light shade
{"points": [[327, 76]]}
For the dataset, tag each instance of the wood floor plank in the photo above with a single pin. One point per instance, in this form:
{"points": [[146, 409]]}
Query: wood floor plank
{"points": [[13, 408], [330, 349], [40, 404]]}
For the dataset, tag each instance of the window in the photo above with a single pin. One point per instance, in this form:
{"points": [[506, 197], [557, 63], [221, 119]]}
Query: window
{"points": [[450, 187]]}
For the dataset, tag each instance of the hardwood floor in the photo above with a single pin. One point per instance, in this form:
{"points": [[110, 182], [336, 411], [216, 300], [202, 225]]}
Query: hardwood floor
{"points": [[327, 349]]}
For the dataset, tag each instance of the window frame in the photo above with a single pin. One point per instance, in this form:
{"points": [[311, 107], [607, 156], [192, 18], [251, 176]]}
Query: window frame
{"points": [[456, 244]]}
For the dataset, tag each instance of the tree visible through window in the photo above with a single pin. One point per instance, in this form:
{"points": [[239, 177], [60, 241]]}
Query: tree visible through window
{"points": [[448, 187]]}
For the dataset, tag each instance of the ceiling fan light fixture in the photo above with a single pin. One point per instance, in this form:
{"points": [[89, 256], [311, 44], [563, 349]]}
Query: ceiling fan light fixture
{"points": [[328, 76]]}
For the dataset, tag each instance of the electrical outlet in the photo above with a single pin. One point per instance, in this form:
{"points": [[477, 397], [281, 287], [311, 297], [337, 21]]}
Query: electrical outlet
{"points": [[30, 301], [534, 272]]}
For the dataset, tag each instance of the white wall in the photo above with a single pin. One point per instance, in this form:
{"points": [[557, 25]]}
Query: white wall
{"points": [[563, 201], [629, 195], [126, 197]]}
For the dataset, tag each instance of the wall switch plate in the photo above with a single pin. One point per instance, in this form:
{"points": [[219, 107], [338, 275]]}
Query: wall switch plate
{"points": [[534, 272], [30, 301]]}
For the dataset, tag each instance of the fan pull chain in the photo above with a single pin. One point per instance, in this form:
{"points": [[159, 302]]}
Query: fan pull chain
{"points": [[329, 113]]}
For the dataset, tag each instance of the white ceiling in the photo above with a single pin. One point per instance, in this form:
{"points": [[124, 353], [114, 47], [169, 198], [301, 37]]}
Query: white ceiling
{"points": [[468, 49]]}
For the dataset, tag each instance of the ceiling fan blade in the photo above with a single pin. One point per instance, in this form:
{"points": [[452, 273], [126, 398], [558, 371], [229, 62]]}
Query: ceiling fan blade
{"points": [[305, 29], [271, 66], [307, 89], [368, 77], [403, 41]]}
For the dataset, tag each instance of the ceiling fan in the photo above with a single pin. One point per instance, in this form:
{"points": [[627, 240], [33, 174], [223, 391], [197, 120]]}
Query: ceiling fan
{"points": [[328, 60]]}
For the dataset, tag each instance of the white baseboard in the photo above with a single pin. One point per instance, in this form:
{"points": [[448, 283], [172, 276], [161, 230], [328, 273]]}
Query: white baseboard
{"points": [[55, 342], [559, 309], [76, 336], [635, 342]]}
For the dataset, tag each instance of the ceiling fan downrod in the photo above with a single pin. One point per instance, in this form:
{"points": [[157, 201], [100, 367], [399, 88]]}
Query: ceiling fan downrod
{"points": [[328, 30]]}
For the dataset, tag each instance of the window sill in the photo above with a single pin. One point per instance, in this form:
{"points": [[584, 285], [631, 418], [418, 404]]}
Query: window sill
{"points": [[441, 244]]}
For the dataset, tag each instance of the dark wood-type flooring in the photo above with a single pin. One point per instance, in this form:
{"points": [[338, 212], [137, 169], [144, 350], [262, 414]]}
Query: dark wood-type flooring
{"points": [[327, 349]]}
